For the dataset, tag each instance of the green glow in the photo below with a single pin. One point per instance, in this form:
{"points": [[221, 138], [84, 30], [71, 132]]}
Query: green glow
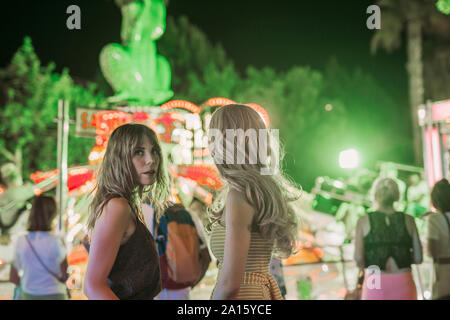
{"points": [[134, 70], [349, 159], [443, 6]]}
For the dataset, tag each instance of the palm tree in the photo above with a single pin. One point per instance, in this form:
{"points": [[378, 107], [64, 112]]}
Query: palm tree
{"points": [[416, 16]]}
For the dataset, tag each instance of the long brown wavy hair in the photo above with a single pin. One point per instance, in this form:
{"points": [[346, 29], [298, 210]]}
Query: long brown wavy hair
{"points": [[42, 214], [117, 176], [268, 194]]}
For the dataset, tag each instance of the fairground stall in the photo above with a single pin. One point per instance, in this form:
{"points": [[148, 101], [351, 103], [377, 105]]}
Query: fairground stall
{"points": [[324, 266], [181, 128], [434, 119]]}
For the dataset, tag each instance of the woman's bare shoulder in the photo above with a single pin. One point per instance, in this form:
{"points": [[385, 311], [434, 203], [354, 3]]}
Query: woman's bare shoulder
{"points": [[117, 208], [236, 198], [410, 220], [363, 224], [363, 220], [238, 206]]}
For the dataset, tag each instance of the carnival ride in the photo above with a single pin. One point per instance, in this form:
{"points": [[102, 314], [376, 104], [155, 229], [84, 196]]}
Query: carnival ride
{"points": [[434, 119], [181, 127]]}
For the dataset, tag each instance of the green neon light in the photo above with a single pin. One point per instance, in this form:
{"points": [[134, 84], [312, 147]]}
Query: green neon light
{"points": [[443, 6], [134, 70]]}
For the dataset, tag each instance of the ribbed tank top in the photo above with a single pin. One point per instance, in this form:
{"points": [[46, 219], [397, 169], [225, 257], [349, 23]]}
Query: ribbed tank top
{"points": [[135, 274]]}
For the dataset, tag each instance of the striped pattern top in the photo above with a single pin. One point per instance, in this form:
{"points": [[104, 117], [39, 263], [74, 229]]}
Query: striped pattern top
{"points": [[258, 283]]}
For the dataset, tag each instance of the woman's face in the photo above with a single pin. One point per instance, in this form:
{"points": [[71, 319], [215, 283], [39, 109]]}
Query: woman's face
{"points": [[146, 161]]}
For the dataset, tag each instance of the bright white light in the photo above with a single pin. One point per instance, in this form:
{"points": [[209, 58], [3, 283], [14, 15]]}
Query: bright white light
{"points": [[338, 184], [324, 268], [73, 232], [158, 31], [421, 113], [138, 76], [427, 294], [198, 139], [185, 189], [349, 159], [74, 219], [94, 155]]}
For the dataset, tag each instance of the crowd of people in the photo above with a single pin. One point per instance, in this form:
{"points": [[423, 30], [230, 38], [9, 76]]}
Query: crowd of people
{"points": [[252, 227], [387, 244]]}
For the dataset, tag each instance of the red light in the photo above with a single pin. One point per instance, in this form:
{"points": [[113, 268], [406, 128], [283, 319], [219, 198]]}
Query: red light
{"points": [[183, 104]]}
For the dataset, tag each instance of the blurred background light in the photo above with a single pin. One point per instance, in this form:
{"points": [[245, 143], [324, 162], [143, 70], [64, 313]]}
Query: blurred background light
{"points": [[349, 159]]}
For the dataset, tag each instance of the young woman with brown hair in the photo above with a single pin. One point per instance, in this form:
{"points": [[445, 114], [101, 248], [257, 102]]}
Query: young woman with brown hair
{"points": [[123, 260]]}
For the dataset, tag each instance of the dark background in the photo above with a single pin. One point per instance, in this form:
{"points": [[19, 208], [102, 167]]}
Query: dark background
{"points": [[257, 33], [253, 33]]}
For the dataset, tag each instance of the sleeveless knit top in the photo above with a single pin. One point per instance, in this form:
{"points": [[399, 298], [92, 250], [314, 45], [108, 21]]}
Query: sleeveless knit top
{"points": [[388, 240], [257, 283], [135, 274]]}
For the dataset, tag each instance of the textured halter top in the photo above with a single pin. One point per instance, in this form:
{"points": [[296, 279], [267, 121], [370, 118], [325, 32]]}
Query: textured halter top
{"points": [[388, 240]]}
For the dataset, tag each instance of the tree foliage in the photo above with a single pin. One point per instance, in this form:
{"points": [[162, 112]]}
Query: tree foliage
{"points": [[28, 107], [298, 100], [197, 65], [319, 113], [435, 26]]}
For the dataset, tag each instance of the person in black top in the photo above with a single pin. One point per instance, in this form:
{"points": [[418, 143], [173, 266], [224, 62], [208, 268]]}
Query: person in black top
{"points": [[438, 239], [123, 260], [386, 245]]}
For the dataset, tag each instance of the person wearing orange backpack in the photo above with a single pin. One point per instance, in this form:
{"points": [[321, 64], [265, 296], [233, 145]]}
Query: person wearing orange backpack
{"points": [[184, 256]]}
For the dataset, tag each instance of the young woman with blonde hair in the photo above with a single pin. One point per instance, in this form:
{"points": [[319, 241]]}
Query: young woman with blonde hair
{"points": [[123, 260], [386, 245], [252, 217]]}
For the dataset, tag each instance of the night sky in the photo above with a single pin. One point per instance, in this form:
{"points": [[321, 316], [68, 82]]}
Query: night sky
{"points": [[257, 33], [253, 33]]}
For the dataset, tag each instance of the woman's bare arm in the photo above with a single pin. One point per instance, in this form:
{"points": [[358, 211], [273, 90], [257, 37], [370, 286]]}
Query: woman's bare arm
{"points": [[432, 234], [417, 245], [108, 233], [433, 248], [14, 276], [359, 242], [238, 217]]}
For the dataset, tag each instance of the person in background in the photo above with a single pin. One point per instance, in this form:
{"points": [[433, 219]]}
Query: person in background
{"points": [[40, 256], [170, 290], [418, 196], [123, 259], [438, 239], [388, 170], [276, 270], [386, 245], [252, 217], [14, 201]]}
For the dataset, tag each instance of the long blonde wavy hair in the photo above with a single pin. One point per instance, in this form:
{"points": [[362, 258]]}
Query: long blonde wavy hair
{"points": [[385, 191], [117, 176], [269, 195]]}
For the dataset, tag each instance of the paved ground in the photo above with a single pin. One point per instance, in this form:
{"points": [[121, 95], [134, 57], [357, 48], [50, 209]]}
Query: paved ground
{"points": [[321, 281]]}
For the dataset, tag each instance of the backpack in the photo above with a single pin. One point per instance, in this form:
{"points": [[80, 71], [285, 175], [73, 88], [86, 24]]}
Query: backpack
{"points": [[183, 259]]}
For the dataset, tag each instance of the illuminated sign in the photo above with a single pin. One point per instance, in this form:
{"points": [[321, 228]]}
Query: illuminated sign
{"points": [[85, 122]]}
